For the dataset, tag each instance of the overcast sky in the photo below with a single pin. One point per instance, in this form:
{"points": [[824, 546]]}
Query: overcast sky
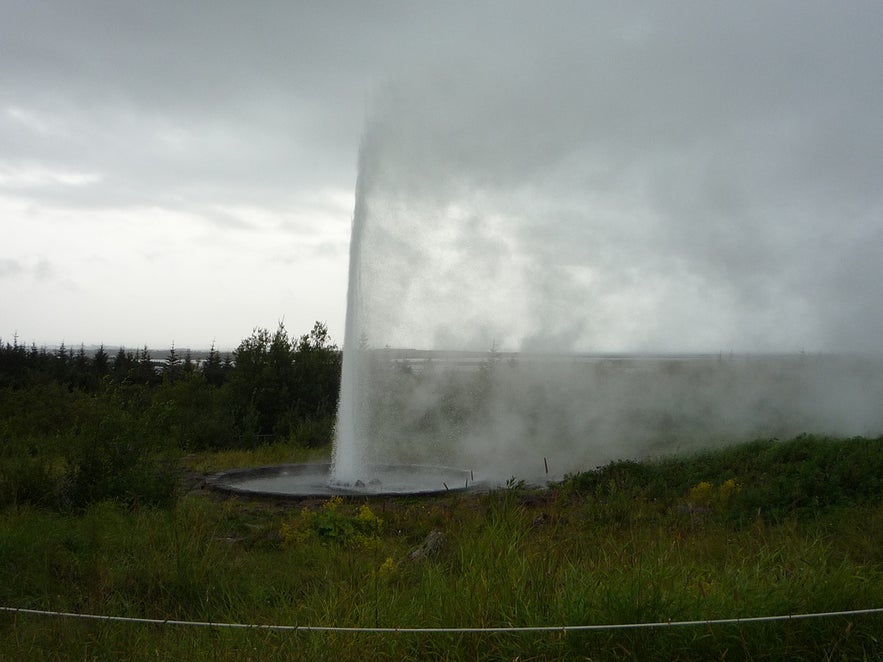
{"points": [[611, 175]]}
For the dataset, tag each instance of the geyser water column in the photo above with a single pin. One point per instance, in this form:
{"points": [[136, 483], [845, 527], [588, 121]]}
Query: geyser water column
{"points": [[348, 455], [438, 265], [412, 284]]}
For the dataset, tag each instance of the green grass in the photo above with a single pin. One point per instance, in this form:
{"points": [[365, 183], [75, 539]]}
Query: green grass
{"points": [[630, 542], [209, 462]]}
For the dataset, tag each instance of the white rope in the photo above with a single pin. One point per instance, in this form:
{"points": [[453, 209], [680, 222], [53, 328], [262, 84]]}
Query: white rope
{"points": [[451, 630]]}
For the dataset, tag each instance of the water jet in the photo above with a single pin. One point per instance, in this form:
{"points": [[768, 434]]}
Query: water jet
{"points": [[350, 472]]}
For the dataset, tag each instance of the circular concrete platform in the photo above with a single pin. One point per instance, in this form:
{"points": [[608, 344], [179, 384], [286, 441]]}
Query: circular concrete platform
{"points": [[312, 480]]}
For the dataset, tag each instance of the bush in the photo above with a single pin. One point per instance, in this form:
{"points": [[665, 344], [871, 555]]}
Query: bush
{"points": [[115, 468], [310, 433], [115, 454], [801, 476], [334, 523], [29, 480]]}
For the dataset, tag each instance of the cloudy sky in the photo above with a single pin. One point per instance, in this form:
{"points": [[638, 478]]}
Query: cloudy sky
{"points": [[600, 175]]}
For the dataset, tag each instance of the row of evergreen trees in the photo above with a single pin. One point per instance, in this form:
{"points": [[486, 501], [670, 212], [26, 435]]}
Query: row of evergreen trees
{"points": [[271, 385], [78, 427], [21, 365]]}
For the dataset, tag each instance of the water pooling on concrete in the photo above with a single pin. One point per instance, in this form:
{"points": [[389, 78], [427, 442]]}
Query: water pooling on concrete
{"points": [[308, 480]]}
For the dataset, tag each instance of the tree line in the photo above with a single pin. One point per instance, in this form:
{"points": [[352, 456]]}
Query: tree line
{"points": [[271, 384], [79, 426]]}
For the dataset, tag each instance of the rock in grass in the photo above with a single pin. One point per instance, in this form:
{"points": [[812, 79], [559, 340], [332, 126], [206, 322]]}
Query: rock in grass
{"points": [[429, 547]]}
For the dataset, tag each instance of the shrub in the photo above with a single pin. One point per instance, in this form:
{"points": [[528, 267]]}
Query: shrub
{"points": [[113, 455], [29, 480], [332, 523]]}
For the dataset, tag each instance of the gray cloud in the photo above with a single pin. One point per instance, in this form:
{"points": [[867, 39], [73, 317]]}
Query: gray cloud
{"points": [[39, 269], [10, 267], [695, 173], [712, 167]]}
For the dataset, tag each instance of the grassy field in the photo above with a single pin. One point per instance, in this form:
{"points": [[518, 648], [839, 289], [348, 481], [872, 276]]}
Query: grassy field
{"points": [[759, 529]]}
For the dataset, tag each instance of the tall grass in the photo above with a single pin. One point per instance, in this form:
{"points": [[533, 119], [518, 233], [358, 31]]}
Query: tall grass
{"points": [[618, 545], [209, 462]]}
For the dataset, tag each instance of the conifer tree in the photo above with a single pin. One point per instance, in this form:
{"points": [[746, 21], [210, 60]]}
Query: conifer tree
{"points": [[99, 361], [212, 369], [172, 368], [188, 365], [60, 364]]}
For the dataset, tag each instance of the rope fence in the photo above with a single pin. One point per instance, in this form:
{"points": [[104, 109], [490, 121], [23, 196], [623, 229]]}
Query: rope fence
{"points": [[442, 630]]}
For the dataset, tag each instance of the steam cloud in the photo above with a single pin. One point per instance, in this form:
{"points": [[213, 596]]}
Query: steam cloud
{"points": [[519, 215]]}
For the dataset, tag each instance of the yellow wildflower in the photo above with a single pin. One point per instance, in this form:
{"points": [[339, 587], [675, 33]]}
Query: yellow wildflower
{"points": [[387, 567]]}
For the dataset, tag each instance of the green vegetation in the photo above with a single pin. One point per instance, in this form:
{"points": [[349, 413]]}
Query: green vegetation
{"points": [[101, 511], [78, 428], [717, 535]]}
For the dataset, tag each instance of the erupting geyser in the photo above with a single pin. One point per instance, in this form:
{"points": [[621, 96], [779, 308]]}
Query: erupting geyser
{"points": [[351, 466], [351, 472], [348, 457]]}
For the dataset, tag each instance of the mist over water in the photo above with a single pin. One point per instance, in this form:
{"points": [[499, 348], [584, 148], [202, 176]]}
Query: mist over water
{"points": [[512, 307]]}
